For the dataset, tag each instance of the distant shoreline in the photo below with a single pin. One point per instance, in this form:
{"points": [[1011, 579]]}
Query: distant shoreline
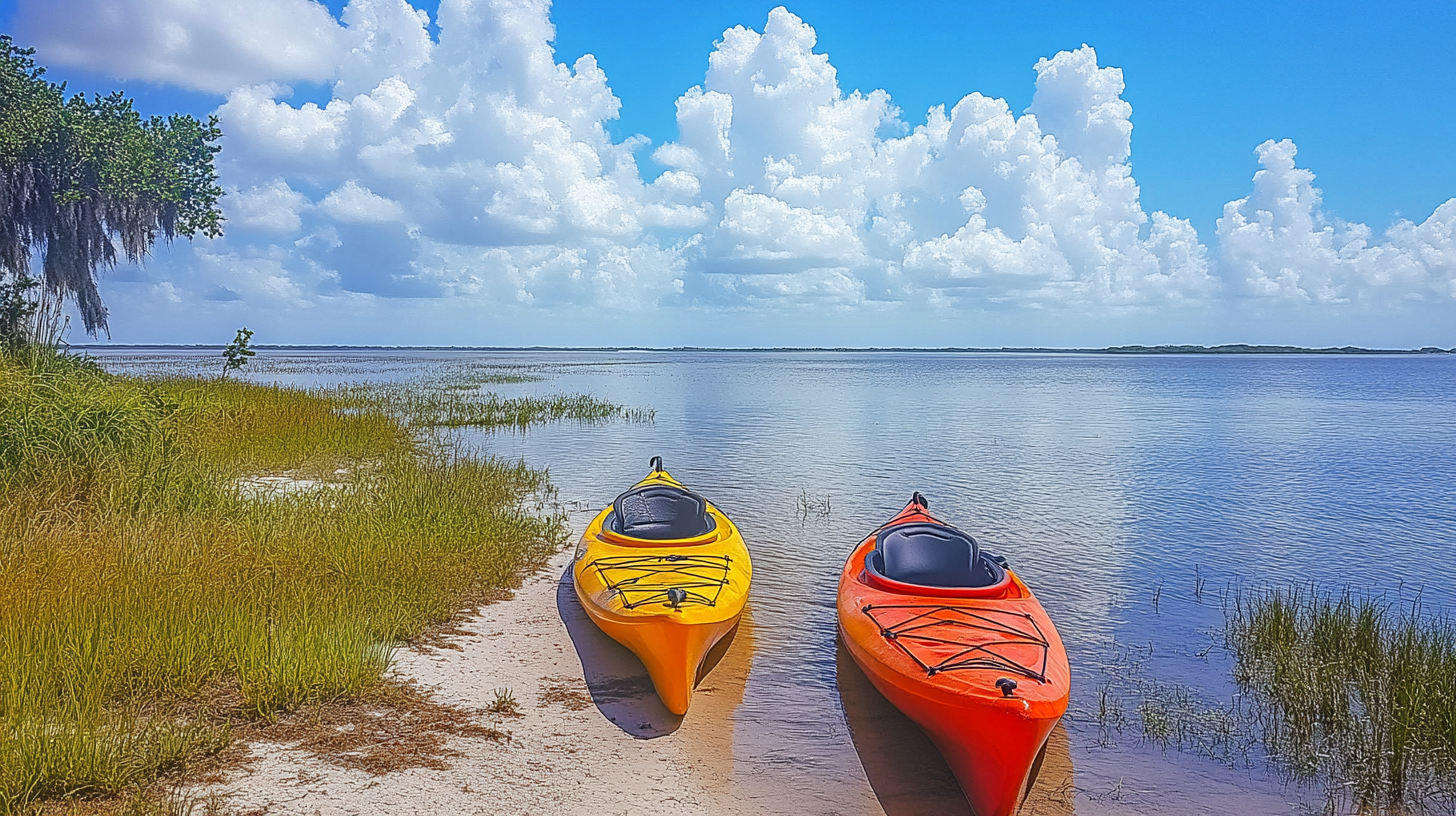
{"points": [[1231, 348]]}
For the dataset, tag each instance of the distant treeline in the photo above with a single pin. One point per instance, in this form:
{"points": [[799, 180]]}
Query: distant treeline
{"points": [[1245, 348]]}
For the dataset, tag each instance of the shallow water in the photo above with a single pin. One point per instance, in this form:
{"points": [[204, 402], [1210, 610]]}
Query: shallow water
{"points": [[1130, 493]]}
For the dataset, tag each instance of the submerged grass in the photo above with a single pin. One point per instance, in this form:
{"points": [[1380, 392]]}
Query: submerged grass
{"points": [[1346, 693], [138, 577], [1352, 691], [459, 403]]}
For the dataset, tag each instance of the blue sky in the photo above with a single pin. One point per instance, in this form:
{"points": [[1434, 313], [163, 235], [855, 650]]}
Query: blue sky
{"points": [[1367, 90], [777, 247]]}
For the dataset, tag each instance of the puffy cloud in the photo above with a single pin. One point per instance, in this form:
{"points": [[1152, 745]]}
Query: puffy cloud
{"points": [[1279, 244], [199, 45], [1082, 104], [478, 170], [356, 205], [274, 207], [479, 140], [978, 204], [766, 228]]}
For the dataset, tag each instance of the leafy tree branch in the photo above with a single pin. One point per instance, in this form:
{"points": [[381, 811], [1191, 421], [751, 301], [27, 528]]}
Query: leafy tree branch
{"points": [[79, 177]]}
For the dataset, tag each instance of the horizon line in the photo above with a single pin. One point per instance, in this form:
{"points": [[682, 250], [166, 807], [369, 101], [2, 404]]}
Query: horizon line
{"points": [[1226, 348]]}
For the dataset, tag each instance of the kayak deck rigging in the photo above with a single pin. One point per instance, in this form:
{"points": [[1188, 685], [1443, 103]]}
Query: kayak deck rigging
{"points": [[942, 638], [644, 579]]}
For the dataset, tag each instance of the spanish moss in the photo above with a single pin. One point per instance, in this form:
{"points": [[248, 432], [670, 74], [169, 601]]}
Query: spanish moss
{"points": [[80, 177]]}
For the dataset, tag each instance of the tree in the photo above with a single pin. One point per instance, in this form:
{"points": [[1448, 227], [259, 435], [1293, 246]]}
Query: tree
{"points": [[16, 309], [77, 177], [236, 354]]}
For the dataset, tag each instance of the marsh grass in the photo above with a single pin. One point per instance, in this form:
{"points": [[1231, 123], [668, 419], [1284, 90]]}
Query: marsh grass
{"points": [[808, 506], [1345, 693], [138, 578], [453, 403], [1175, 715], [1353, 691]]}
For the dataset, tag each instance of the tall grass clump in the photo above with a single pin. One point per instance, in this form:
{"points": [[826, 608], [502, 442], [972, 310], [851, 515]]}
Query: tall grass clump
{"points": [[1352, 691], [148, 601], [456, 402]]}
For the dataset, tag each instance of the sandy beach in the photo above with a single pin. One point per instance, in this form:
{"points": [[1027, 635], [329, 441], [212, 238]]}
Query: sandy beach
{"points": [[584, 742], [590, 737]]}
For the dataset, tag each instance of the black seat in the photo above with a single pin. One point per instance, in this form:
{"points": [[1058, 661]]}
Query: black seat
{"points": [[659, 512], [932, 555]]}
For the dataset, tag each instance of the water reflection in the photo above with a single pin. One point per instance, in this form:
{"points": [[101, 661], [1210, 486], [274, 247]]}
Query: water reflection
{"points": [[721, 682]]}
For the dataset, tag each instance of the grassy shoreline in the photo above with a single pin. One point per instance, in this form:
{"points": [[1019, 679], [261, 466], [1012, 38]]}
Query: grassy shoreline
{"points": [[151, 601]]}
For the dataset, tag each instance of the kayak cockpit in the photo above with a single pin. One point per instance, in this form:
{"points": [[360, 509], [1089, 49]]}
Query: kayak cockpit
{"points": [[929, 558], [660, 512]]}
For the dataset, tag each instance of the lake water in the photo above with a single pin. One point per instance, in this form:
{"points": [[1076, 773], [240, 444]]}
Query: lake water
{"points": [[1130, 492]]}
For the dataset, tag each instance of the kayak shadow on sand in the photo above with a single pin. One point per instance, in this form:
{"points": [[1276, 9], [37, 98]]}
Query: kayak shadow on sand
{"points": [[907, 772], [615, 678]]}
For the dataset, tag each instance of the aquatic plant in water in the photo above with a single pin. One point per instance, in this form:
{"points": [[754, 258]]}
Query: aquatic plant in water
{"points": [[1352, 691], [1345, 693]]}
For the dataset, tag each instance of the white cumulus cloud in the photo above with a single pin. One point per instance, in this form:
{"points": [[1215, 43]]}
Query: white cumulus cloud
{"points": [[206, 46], [1278, 243], [354, 204], [477, 169], [979, 203]]}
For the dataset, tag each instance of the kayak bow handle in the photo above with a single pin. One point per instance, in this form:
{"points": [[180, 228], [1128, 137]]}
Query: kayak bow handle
{"points": [[1007, 686]]}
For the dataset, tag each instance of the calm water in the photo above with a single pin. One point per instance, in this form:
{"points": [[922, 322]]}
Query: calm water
{"points": [[1116, 487]]}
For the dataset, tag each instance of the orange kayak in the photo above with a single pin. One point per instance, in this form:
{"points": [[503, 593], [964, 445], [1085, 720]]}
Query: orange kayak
{"points": [[959, 644]]}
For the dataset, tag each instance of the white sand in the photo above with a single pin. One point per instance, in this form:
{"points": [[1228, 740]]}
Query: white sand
{"points": [[565, 755], [594, 739]]}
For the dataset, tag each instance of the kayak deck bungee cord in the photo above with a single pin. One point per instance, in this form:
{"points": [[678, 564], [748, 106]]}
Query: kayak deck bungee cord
{"points": [[981, 640], [666, 574], [954, 639], [639, 580]]}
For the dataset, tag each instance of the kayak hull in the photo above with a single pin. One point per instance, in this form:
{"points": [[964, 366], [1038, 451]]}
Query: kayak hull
{"points": [[990, 739], [991, 772], [673, 652], [623, 585]]}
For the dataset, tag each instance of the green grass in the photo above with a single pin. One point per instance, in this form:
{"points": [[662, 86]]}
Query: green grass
{"points": [[1351, 691], [1346, 694], [148, 599], [458, 402]]}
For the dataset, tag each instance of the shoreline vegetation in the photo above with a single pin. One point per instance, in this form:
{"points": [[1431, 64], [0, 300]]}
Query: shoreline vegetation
{"points": [[1352, 691], [1229, 348], [1348, 694], [157, 604]]}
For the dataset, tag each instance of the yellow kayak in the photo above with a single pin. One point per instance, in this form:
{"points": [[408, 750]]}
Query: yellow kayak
{"points": [[663, 572]]}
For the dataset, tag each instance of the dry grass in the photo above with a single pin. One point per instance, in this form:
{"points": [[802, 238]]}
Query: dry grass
{"points": [[391, 727], [562, 691], [151, 607]]}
